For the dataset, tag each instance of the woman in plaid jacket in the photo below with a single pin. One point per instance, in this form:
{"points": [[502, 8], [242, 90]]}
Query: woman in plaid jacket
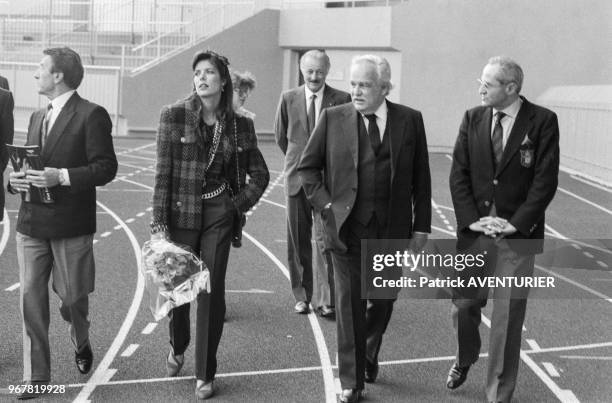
{"points": [[204, 151]]}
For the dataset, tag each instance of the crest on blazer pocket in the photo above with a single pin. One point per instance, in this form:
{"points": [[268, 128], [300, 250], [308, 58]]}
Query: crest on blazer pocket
{"points": [[527, 151]]}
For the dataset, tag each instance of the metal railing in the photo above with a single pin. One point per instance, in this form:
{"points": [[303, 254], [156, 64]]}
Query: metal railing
{"points": [[135, 34]]}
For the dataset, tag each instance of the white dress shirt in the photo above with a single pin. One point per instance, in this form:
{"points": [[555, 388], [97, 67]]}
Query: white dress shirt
{"points": [[381, 119], [318, 100], [507, 122], [58, 104]]}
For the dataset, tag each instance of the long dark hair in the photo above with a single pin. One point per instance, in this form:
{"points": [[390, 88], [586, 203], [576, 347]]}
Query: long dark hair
{"points": [[221, 63]]}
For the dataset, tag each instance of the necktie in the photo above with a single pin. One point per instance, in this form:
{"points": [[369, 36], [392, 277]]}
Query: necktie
{"points": [[497, 138], [311, 114], [373, 132], [45, 125]]}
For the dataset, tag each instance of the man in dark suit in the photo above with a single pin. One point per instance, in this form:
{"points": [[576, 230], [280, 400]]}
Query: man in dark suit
{"points": [[57, 239], [373, 154], [6, 137], [4, 83], [503, 176], [297, 113]]}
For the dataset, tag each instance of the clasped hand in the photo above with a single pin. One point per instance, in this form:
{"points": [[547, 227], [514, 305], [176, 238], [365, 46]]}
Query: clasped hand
{"points": [[20, 181], [493, 227]]}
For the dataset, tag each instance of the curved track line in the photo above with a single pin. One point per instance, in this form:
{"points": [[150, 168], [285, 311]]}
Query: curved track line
{"points": [[100, 375], [326, 365]]}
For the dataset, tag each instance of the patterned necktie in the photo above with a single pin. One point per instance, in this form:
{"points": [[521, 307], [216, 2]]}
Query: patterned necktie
{"points": [[497, 142], [373, 132], [45, 124], [311, 114]]}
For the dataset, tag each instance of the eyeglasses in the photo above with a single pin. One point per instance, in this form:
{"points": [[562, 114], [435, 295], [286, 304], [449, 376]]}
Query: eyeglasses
{"points": [[487, 85]]}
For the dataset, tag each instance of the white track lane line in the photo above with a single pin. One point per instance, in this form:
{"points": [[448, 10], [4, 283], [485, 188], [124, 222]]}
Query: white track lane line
{"points": [[582, 199], [130, 350], [136, 167], [134, 183], [6, 230], [102, 370], [575, 283], [149, 328], [550, 368], [590, 183], [131, 150], [272, 203], [326, 365], [585, 357], [12, 287], [138, 157]]}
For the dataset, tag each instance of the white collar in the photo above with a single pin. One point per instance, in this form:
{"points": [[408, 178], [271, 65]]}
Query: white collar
{"points": [[319, 93], [511, 110], [59, 101], [381, 112]]}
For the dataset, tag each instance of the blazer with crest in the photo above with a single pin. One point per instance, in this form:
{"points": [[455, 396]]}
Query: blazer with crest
{"points": [[523, 184], [81, 141], [181, 160], [334, 148], [291, 128]]}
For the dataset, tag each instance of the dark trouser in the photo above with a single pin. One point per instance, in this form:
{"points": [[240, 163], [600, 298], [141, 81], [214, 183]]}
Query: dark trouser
{"points": [[506, 324], [299, 245], [212, 243], [361, 323]]}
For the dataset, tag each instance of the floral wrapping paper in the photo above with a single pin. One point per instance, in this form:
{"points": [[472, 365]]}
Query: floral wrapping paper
{"points": [[173, 274]]}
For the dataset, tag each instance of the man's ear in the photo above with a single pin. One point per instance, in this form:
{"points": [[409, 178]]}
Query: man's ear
{"points": [[58, 77]]}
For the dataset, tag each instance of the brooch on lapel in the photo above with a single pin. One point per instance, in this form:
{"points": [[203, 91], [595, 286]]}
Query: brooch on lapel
{"points": [[527, 152]]}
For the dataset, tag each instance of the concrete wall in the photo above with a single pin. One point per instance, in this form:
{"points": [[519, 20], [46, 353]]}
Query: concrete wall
{"points": [[250, 45], [446, 43]]}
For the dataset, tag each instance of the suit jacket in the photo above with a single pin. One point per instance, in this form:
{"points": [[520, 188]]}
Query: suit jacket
{"points": [[4, 83], [182, 158], [523, 184], [6, 136], [291, 128], [79, 140], [334, 148]]}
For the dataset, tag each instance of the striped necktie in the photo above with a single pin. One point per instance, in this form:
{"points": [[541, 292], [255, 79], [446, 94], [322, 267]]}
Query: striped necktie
{"points": [[45, 124], [497, 142]]}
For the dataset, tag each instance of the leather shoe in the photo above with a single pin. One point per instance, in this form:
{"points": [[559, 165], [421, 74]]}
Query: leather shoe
{"points": [[174, 363], [456, 376], [34, 392], [371, 371], [350, 395], [301, 307], [84, 359], [326, 311], [204, 390]]}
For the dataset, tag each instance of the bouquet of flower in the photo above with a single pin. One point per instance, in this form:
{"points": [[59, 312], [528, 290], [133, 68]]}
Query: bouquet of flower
{"points": [[173, 274]]}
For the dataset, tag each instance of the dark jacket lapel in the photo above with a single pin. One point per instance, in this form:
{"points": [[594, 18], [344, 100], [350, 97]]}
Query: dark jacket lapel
{"points": [[395, 124], [483, 138], [350, 133], [57, 131], [35, 128], [520, 128]]}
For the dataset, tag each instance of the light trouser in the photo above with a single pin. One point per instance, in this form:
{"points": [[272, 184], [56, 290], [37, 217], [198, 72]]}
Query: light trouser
{"points": [[70, 264]]}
